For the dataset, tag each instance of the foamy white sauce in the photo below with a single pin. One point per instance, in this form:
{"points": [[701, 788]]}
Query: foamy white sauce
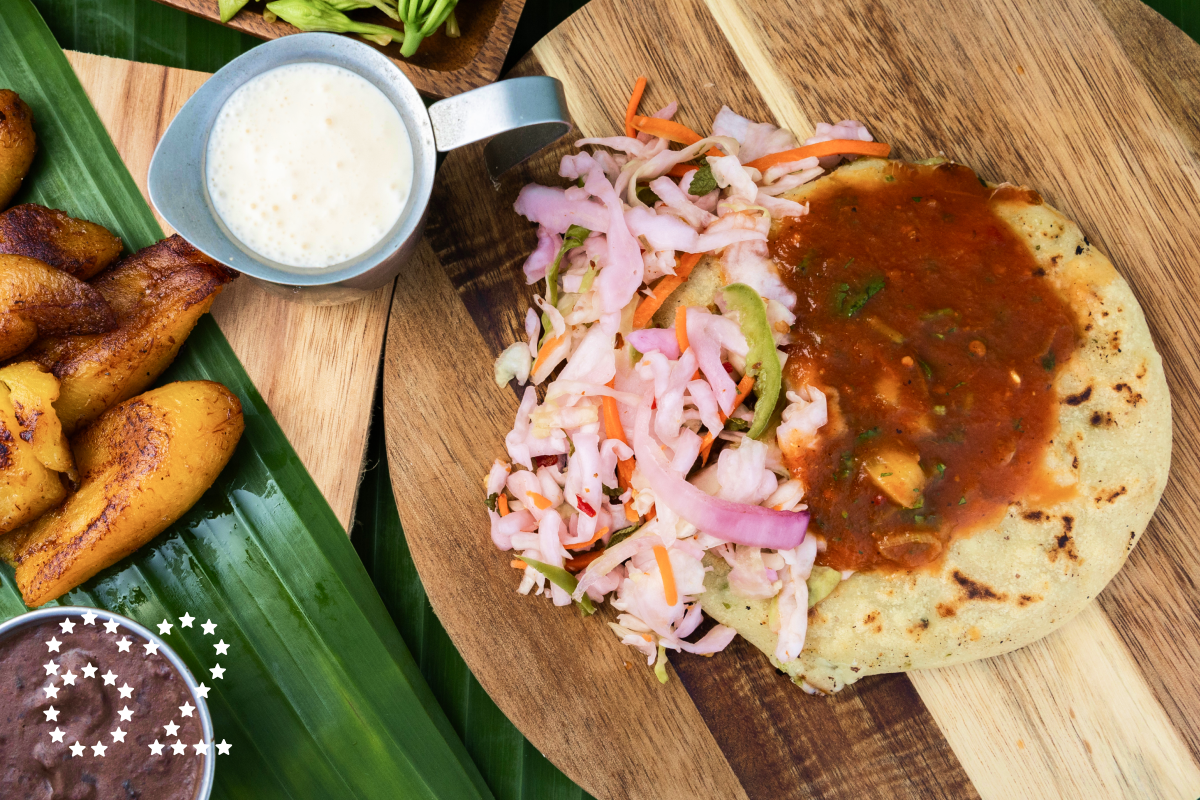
{"points": [[309, 165]]}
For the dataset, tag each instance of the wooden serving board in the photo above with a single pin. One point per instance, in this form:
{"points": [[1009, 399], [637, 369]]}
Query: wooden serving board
{"points": [[316, 367], [1094, 103], [441, 67]]}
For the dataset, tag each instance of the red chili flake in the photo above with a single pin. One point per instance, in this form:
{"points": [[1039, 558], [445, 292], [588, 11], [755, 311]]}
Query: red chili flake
{"points": [[728, 367], [877, 500], [545, 461], [584, 507]]}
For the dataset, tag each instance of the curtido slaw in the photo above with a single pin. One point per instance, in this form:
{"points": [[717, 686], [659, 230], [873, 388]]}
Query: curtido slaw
{"points": [[611, 491]]}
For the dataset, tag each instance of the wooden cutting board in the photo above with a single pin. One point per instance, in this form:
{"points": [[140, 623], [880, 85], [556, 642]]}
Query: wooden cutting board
{"points": [[315, 367], [1096, 104]]}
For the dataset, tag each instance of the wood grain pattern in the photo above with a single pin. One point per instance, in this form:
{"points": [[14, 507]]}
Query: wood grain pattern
{"points": [[440, 68], [315, 367]]}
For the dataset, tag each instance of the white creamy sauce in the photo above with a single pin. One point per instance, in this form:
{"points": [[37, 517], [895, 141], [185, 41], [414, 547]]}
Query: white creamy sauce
{"points": [[309, 165]]}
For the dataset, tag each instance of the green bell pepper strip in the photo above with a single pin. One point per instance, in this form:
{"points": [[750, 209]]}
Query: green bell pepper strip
{"points": [[563, 580], [574, 237], [762, 360]]}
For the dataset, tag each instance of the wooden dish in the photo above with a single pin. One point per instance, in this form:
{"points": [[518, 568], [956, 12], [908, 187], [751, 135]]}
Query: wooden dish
{"points": [[440, 68], [1092, 102]]}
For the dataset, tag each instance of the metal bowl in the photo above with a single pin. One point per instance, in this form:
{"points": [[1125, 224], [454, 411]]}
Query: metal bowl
{"points": [[523, 114]]}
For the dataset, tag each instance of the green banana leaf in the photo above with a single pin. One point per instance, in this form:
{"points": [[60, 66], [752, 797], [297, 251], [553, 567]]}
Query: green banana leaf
{"points": [[321, 699], [513, 768]]}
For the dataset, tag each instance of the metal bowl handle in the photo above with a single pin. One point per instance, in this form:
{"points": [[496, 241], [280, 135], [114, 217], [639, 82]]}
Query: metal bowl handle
{"points": [[520, 116]]}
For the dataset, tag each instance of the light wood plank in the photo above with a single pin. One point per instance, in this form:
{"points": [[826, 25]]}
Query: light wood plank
{"points": [[1068, 716], [315, 367], [744, 35]]}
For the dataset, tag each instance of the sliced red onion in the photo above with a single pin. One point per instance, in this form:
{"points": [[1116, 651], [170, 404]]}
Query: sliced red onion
{"points": [[707, 242], [755, 526], [779, 207], [623, 143]]}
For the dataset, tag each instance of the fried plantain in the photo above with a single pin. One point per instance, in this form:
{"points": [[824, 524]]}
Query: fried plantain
{"points": [[142, 465], [158, 294], [75, 246], [33, 450], [39, 300]]}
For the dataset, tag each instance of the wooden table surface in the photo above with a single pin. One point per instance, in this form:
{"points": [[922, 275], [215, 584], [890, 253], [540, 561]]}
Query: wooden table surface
{"points": [[1096, 104], [316, 367]]}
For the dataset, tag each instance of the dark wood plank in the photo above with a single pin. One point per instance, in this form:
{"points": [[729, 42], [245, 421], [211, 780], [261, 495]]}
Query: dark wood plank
{"points": [[875, 740]]}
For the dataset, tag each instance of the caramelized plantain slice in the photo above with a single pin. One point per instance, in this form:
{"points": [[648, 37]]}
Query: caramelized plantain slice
{"points": [[75, 246], [39, 300], [158, 294], [33, 450], [142, 465]]}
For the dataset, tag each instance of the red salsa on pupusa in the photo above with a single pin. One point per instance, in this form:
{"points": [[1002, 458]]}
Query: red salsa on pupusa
{"points": [[81, 706], [935, 336]]}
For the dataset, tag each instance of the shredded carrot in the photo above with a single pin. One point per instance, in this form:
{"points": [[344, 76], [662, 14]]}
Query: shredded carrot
{"points": [[672, 131], [652, 513], [631, 110], [681, 328], [834, 147], [625, 475], [539, 500], [546, 350], [665, 128], [668, 574], [662, 289], [745, 385], [679, 170], [502, 504], [613, 428], [581, 561], [517, 563], [589, 542]]}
